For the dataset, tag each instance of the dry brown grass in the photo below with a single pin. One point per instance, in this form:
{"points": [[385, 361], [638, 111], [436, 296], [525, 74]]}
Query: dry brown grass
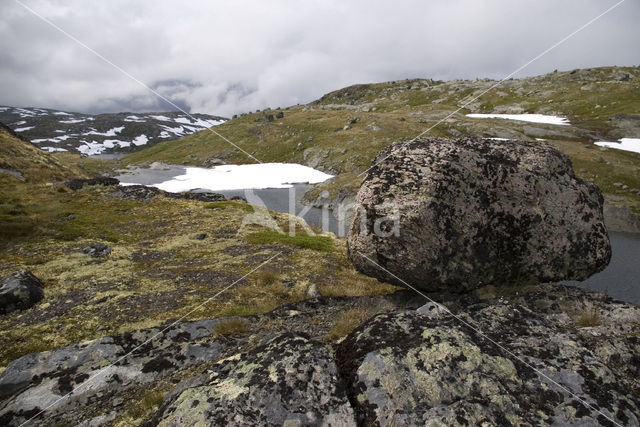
{"points": [[588, 318], [231, 326], [346, 323]]}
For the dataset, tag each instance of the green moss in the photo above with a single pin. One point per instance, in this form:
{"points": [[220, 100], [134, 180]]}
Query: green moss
{"points": [[230, 204], [317, 243]]}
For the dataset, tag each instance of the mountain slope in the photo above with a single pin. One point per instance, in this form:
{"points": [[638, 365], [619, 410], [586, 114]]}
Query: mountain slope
{"points": [[342, 132], [54, 130]]}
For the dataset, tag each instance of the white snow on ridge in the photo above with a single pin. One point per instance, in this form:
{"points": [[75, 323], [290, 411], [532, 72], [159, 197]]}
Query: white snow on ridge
{"points": [[135, 119], [626, 144], [110, 132], [163, 118], [238, 177], [532, 118], [53, 149], [72, 121], [140, 140], [21, 122], [61, 113], [24, 128]]}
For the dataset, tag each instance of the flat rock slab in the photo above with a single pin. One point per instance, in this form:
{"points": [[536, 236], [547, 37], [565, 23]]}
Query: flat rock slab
{"points": [[289, 380], [458, 214]]}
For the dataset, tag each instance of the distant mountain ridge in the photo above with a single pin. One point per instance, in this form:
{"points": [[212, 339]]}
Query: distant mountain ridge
{"points": [[55, 130]]}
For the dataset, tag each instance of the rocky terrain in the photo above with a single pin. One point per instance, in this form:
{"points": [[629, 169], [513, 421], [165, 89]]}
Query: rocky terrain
{"points": [[55, 131], [171, 309]]}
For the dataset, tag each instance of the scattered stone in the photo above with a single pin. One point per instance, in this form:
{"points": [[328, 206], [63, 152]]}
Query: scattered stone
{"points": [[78, 183], [312, 291], [279, 115], [617, 184], [97, 250], [625, 77], [269, 117], [20, 291], [433, 310], [200, 236], [455, 215], [289, 283], [290, 380], [214, 161]]}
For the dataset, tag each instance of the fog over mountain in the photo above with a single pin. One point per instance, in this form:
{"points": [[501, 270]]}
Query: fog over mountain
{"points": [[231, 57]]}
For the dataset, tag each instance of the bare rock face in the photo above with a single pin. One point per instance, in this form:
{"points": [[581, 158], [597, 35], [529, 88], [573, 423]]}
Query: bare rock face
{"points": [[445, 214]]}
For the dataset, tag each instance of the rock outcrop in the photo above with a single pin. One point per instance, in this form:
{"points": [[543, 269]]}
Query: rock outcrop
{"points": [[20, 291], [412, 364], [524, 368], [290, 380], [444, 214]]}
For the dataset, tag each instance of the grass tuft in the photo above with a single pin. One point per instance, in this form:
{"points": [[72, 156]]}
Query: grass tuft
{"points": [[231, 326], [317, 243], [346, 323]]}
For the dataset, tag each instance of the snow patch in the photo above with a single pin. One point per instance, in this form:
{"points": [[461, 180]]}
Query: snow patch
{"points": [[135, 119], [140, 140], [23, 129], [53, 149], [626, 144], [163, 118], [110, 132], [499, 139], [532, 118], [239, 177], [61, 113], [70, 121], [21, 122]]}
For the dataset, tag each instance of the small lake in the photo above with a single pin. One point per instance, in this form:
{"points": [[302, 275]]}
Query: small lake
{"points": [[620, 280]]}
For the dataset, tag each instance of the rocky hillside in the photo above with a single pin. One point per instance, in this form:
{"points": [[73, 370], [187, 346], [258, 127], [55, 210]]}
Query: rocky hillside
{"points": [[342, 132], [54, 130]]}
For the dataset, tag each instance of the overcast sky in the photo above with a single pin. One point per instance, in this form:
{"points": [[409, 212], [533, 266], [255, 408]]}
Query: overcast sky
{"points": [[236, 56]]}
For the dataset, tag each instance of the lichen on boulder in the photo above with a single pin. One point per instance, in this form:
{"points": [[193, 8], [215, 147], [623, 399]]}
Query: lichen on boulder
{"points": [[20, 291], [458, 214], [289, 380]]}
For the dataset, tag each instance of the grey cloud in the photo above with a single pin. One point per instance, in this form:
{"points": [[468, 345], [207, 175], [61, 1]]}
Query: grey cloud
{"points": [[225, 58]]}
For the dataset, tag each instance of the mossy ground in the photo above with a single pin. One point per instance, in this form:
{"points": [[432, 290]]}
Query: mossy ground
{"points": [[156, 271]]}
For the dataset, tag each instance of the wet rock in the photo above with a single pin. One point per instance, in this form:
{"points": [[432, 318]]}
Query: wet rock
{"points": [[20, 291], [78, 183], [289, 380], [97, 250], [444, 214], [403, 368]]}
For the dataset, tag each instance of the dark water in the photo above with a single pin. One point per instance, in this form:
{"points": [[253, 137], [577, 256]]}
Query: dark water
{"points": [[620, 280]]}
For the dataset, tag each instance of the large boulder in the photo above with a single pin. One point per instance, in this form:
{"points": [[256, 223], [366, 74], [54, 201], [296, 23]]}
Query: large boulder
{"points": [[290, 380], [20, 291], [445, 214]]}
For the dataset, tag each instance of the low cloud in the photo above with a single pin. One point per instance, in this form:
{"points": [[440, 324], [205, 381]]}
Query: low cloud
{"points": [[246, 55]]}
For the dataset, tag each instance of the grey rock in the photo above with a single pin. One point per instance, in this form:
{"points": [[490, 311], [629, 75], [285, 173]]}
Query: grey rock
{"points": [[433, 310], [99, 372], [289, 380], [312, 291], [200, 236], [279, 115], [455, 215], [20, 291], [97, 250], [403, 368]]}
